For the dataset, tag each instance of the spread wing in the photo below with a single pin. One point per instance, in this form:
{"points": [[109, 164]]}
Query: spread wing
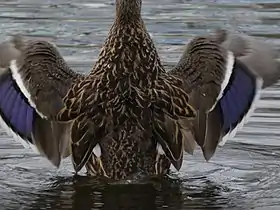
{"points": [[34, 79], [222, 87]]}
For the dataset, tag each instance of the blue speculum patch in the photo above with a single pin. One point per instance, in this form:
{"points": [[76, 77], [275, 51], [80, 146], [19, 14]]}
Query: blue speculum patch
{"points": [[14, 107], [238, 97]]}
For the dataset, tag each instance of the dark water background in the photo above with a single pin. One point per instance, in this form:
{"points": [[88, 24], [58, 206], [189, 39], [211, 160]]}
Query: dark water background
{"points": [[244, 174]]}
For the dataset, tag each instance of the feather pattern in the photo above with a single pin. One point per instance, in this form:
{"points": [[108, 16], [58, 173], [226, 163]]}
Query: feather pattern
{"points": [[32, 86], [238, 101], [15, 109], [237, 97], [223, 89], [127, 105], [129, 115]]}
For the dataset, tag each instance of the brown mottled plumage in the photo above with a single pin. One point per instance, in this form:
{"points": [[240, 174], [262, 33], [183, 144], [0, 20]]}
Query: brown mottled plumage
{"points": [[127, 116], [127, 105]]}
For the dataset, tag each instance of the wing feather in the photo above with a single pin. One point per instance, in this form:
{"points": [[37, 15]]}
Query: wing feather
{"points": [[223, 89], [33, 82]]}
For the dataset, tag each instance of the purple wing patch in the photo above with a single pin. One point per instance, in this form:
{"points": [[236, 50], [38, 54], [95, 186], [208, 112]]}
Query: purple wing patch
{"points": [[238, 97], [15, 109]]}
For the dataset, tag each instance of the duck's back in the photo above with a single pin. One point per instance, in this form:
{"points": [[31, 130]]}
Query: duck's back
{"points": [[124, 78], [129, 114]]}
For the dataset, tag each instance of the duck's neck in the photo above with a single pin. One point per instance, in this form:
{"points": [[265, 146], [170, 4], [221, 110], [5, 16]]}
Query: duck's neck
{"points": [[128, 10], [128, 46]]}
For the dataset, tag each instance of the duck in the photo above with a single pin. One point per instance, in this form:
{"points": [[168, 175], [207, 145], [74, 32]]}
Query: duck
{"points": [[129, 114], [223, 73], [126, 116]]}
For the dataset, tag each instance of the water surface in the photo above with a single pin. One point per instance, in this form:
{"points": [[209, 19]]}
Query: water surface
{"points": [[244, 174]]}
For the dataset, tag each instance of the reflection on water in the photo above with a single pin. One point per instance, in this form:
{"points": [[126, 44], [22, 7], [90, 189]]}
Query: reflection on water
{"points": [[83, 193], [244, 174]]}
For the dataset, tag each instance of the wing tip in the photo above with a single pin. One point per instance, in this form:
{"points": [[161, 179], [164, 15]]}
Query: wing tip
{"points": [[208, 154], [77, 163], [178, 164], [164, 149]]}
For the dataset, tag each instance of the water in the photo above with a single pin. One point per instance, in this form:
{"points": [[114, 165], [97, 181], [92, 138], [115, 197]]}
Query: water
{"points": [[244, 174]]}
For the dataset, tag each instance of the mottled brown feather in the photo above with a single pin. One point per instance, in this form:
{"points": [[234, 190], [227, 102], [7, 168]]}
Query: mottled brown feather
{"points": [[130, 102]]}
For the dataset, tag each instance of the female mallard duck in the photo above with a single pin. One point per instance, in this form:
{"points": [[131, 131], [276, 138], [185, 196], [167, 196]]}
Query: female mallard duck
{"points": [[127, 116], [223, 73]]}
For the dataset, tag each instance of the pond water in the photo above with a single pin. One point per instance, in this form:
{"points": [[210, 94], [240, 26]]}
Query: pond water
{"points": [[244, 174]]}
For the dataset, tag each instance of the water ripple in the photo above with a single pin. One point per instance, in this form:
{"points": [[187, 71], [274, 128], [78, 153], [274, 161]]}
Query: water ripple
{"points": [[244, 174]]}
